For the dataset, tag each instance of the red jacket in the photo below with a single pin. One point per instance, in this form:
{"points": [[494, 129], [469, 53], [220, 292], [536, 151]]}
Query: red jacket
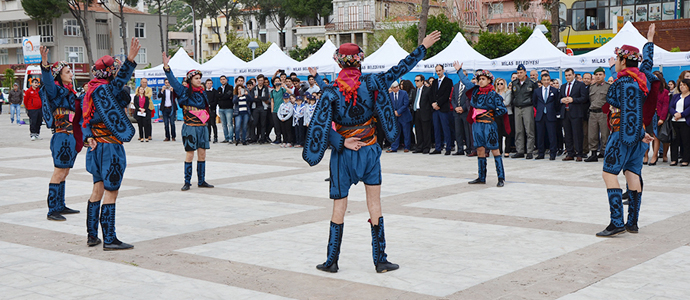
{"points": [[31, 99]]}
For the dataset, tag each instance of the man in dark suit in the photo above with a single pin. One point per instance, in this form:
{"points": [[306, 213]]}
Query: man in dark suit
{"points": [[440, 94], [463, 129], [574, 105], [421, 106], [402, 113], [546, 101], [169, 110]]}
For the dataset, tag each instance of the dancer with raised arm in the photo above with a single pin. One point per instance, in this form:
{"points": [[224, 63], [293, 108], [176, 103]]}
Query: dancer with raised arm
{"points": [[352, 103]]}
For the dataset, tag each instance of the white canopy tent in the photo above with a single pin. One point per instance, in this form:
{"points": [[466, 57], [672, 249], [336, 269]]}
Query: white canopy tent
{"points": [[628, 35], [459, 50], [223, 63], [267, 63], [387, 56], [179, 64], [675, 59], [322, 60], [535, 53]]}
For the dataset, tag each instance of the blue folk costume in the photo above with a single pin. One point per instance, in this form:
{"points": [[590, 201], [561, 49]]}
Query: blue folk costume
{"points": [[632, 101], [195, 135], [107, 124], [350, 108], [62, 112], [486, 104]]}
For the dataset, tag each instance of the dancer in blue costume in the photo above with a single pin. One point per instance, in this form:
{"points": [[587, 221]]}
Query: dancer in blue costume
{"points": [[106, 127], [352, 103], [61, 112], [195, 136], [486, 106], [628, 142]]}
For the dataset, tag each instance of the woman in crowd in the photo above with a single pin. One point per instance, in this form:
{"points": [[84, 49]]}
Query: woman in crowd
{"points": [[62, 113], [661, 112], [142, 114], [679, 108], [683, 75], [503, 90], [242, 113], [195, 137], [671, 85]]}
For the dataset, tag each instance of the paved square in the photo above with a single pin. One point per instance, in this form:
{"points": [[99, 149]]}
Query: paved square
{"points": [[173, 172], [24, 190]]}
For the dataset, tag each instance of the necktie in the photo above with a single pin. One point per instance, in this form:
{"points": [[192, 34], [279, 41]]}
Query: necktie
{"points": [[567, 93], [546, 96]]}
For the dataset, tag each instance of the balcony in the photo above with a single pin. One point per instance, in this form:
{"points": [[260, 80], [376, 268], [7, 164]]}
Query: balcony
{"points": [[211, 39], [350, 26]]}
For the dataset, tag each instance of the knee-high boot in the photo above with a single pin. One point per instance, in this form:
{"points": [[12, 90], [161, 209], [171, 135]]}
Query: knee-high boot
{"points": [[92, 214], [378, 247], [633, 211], [201, 174], [335, 238], [187, 176], [616, 206], [110, 241], [499, 171], [481, 166], [61, 203], [53, 202]]}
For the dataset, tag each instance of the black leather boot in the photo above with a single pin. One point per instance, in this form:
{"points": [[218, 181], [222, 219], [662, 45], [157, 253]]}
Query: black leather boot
{"points": [[378, 247], [335, 238]]}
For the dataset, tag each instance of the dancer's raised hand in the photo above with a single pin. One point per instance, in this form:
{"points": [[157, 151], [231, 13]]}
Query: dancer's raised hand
{"points": [[457, 65], [432, 38], [166, 60], [44, 55], [312, 71], [134, 47], [650, 33]]}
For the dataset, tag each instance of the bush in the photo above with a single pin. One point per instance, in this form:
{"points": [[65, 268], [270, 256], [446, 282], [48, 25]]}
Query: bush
{"points": [[238, 46], [311, 48]]}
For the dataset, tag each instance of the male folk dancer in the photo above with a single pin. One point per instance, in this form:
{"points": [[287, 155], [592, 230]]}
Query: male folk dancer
{"points": [[195, 136], [61, 111], [628, 141], [106, 127], [352, 103], [485, 104]]}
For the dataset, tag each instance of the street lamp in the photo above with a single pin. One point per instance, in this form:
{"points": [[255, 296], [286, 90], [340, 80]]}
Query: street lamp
{"points": [[562, 46], [253, 45], [542, 28], [193, 30], [73, 57]]}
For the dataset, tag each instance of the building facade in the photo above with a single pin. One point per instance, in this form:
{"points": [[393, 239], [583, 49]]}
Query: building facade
{"points": [[184, 40], [498, 15], [63, 37]]}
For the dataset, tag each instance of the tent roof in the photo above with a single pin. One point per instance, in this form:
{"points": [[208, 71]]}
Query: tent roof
{"points": [[223, 62], [179, 64], [322, 60], [459, 50], [267, 63], [535, 53], [387, 56]]}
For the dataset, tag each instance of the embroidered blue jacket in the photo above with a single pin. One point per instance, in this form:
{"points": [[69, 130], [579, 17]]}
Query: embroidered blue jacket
{"points": [[54, 96], [491, 101], [198, 100], [333, 107], [109, 107], [626, 95]]}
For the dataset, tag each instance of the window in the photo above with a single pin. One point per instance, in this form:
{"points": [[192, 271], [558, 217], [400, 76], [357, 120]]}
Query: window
{"points": [[79, 51], [140, 30], [496, 8], [353, 14], [4, 56], [366, 13], [140, 58], [45, 30], [71, 27], [602, 14], [5, 33], [21, 29], [341, 14], [20, 56], [123, 32]]}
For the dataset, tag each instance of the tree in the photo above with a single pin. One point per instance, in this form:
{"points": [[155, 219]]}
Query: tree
{"points": [[311, 48], [497, 44], [423, 19], [552, 6], [120, 14], [441, 23], [9, 78], [200, 8], [309, 11], [51, 9], [399, 33], [230, 9], [273, 10], [158, 9], [238, 46]]}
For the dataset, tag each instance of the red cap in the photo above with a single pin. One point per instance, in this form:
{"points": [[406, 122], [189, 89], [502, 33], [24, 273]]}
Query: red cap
{"points": [[349, 49], [104, 62], [630, 49]]}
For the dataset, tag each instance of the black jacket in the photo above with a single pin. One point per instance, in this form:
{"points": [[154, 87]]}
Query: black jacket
{"points": [[212, 96], [173, 98], [522, 94], [441, 95], [460, 99], [224, 99], [146, 106], [425, 109], [580, 94], [259, 97]]}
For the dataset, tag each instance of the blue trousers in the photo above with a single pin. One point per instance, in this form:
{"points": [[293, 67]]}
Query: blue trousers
{"points": [[226, 122], [442, 127], [241, 122], [546, 129], [169, 121], [15, 109], [107, 163], [406, 132], [350, 167]]}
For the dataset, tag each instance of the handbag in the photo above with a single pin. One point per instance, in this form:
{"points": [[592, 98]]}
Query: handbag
{"points": [[666, 134]]}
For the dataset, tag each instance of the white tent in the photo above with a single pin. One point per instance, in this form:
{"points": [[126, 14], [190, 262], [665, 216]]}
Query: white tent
{"points": [[322, 60], [628, 35], [459, 50], [675, 59], [535, 53], [387, 56], [267, 63], [180, 64], [223, 63]]}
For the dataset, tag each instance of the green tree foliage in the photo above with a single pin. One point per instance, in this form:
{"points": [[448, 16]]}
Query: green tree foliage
{"points": [[238, 46], [497, 44], [380, 36], [44, 9], [441, 23], [313, 46], [309, 11], [177, 9], [675, 49], [9, 78], [547, 23]]}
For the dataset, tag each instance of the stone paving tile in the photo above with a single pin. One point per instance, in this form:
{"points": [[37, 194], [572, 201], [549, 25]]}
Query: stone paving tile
{"points": [[24, 190], [437, 257], [81, 277], [14, 152], [46, 163], [313, 185], [151, 216], [555, 202], [174, 172], [666, 276]]}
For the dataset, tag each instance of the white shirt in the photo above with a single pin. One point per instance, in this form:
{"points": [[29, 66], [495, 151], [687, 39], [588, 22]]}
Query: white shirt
{"points": [[679, 108], [417, 98], [168, 101], [440, 79]]}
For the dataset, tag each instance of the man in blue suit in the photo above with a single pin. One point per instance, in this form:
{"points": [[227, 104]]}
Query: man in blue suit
{"points": [[402, 113], [546, 101]]}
